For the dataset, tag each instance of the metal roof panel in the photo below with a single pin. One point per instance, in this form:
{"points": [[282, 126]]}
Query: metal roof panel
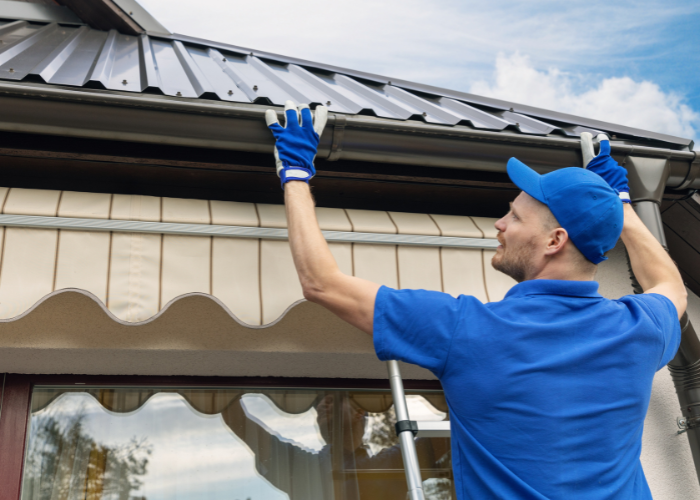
{"points": [[181, 66]]}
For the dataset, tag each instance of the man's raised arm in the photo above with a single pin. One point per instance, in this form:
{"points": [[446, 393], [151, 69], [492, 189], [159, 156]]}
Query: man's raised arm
{"points": [[350, 298], [652, 266]]}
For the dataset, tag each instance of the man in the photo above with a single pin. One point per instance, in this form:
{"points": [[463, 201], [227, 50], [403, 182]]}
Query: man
{"points": [[548, 388]]}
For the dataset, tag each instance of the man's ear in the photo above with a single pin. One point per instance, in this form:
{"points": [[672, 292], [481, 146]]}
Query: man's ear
{"points": [[557, 239]]}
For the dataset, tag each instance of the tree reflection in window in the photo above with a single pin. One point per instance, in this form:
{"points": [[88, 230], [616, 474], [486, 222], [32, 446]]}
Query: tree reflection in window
{"points": [[63, 461]]}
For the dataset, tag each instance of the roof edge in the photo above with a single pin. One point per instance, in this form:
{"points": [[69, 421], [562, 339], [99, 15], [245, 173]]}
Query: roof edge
{"points": [[43, 109], [442, 92]]}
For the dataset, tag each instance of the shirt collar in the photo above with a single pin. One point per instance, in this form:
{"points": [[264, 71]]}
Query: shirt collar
{"points": [[555, 287]]}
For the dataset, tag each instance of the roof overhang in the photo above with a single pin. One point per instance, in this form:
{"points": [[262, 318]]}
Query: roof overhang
{"points": [[142, 118]]}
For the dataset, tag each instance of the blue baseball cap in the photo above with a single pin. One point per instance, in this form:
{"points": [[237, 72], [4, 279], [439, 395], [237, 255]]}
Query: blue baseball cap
{"points": [[581, 201]]}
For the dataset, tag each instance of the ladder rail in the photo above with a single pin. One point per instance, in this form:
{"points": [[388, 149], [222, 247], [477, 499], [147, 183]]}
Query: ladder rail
{"points": [[408, 445]]}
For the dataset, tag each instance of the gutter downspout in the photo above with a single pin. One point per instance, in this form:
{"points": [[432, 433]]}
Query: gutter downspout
{"points": [[647, 178]]}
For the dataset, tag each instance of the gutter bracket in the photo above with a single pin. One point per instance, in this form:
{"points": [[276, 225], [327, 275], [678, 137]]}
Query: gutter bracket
{"points": [[693, 172], [337, 142]]}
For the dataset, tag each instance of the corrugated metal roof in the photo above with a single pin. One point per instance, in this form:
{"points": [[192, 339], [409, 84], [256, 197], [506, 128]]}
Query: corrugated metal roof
{"points": [[184, 67]]}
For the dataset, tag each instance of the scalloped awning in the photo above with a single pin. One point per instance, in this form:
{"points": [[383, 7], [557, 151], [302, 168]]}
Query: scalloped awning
{"points": [[110, 302], [135, 275]]}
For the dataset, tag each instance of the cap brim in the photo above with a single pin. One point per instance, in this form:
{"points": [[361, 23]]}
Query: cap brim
{"points": [[526, 179]]}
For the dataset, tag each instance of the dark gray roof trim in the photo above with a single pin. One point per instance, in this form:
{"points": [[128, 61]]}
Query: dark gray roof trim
{"points": [[185, 67], [37, 12], [124, 116]]}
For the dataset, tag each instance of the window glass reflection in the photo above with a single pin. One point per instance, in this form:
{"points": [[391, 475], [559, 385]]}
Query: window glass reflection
{"points": [[191, 444]]}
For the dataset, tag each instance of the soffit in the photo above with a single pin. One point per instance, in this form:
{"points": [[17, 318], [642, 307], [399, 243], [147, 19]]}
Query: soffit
{"points": [[185, 67]]}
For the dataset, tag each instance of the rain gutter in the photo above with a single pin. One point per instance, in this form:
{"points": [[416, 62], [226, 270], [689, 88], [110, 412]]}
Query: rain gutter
{"points": [[155, 119]]}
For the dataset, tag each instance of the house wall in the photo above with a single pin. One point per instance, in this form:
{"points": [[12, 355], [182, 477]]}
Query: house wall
{"points": [[666, 457]]}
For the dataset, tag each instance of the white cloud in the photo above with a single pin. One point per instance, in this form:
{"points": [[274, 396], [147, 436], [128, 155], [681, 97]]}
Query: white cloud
{"points": [[448, 43], [624, 101]]}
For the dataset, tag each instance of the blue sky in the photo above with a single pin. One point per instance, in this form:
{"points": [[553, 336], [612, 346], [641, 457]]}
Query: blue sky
{"points": [[633, 63]]}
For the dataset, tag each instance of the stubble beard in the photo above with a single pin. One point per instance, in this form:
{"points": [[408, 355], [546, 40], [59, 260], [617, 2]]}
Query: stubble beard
{"points": [[514, 262]]}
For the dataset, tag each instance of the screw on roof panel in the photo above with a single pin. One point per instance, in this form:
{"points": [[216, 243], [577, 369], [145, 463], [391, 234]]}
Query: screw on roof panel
{"points": [[255, 88], [230, 92], [511, 110], [179, 94], [328, 103], [425, 114], [12, 70], [224, 59], [124, 82]]}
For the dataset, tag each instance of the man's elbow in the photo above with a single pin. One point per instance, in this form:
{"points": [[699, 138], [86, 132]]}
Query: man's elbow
{"points": [[312, 293], [320, 289], [314, 290], [682, 301]]}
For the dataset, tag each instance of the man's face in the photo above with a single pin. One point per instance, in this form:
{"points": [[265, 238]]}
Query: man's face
{"points": [[521, 234]]}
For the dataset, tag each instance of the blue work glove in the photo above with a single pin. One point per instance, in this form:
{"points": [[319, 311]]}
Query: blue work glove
{"points": [[604, 165], [296, 142]]}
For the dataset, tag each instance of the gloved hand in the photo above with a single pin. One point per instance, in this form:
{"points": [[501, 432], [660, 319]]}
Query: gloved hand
{"points": [[604, 165], [297, 141]]}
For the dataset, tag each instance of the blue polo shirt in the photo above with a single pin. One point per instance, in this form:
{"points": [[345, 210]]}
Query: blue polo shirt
{"points": [[547, 389]]}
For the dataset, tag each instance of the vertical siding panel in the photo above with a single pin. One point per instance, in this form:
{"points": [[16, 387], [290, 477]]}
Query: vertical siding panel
{"points": [[29, 256], [342, 252], [370, 221], [32, 202], [134, 282], [27, 273], [83, 262], [376, 263], [135, 207], [486, 225], [419, 268], [85, 205], [83, 256], [463, 273], [459, 226], [279, 282], [236, 262], [186, 265], [186, 211], [235, 276]]}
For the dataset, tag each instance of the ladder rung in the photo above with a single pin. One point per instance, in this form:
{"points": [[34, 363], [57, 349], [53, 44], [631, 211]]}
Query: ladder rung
{"points": [[433, 429]]}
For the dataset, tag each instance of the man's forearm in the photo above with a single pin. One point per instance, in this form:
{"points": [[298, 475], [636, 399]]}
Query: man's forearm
{"points": [[651, 264], [312, 257]]}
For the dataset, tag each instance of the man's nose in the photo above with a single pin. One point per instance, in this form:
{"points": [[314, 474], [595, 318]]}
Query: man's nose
{"points": [[500, 224]]}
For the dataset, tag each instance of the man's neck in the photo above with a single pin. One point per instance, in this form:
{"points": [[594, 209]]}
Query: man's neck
{"points": [[561, 272]]}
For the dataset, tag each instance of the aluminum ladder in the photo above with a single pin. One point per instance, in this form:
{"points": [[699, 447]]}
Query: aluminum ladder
{"points": [[407, 430]]}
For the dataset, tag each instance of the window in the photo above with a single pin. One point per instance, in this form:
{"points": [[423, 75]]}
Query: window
{"points": [[166, 443]]}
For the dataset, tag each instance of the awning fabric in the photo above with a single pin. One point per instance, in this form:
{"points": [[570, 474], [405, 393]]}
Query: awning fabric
{"points": [[213, 401], [137, 275]]}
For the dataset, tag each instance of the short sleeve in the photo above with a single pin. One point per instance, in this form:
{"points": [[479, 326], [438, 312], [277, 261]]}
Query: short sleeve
{"points": [[415, 326], [665, 315]]}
